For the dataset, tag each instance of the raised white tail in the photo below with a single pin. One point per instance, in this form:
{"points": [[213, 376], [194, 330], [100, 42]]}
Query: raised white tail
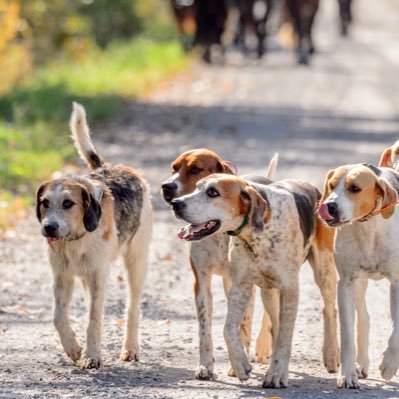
{"points": [[81, 137], [271, 169]]}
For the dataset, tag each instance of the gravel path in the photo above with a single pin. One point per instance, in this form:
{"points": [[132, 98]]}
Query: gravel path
{"points": [[342, 109]]}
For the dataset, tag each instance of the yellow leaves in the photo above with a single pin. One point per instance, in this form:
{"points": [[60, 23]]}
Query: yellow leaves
{"points": [[15, 60], [9, 21]]}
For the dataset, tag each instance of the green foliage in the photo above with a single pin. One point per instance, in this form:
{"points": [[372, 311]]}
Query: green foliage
{"points": [[34, 135]]}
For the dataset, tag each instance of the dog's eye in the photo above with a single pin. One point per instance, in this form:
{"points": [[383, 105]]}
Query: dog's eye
{"points": [[67, 204], [45, 203], [354, 189], [331, 187], [195, 170], [211, 192]]}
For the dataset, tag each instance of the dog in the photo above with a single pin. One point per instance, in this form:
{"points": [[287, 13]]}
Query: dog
{"points": [[359, 202], [87, 221], [390, 157], [274, 229], [209, 257]]}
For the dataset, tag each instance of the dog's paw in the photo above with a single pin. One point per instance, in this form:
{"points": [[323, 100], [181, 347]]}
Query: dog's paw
{"points": [[130, 356], [204, 373], [348, 381], [276, 376], [362, 370], [263, 350], [75, 353], [92, 363], [331, 359], [240, 369], [389, 365]]}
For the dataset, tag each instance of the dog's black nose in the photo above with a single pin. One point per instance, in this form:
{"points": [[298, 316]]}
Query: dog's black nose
{"points": [[51, 229], [169, 186], [333, 209], [178, 205]]}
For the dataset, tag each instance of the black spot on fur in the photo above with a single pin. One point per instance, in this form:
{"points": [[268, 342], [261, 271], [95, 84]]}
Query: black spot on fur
{"points": [[95, 160], [257, 179], [127, 190], [306, 197]]}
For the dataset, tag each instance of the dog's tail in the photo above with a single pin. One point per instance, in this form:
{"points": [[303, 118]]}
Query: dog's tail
{"points": [[81, 137], [271, 169]]}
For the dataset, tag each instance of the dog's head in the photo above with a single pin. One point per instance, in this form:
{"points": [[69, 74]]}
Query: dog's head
{"points": [[220, 203], [68, 208], [352, 192], [390, 157], [189, 168]]}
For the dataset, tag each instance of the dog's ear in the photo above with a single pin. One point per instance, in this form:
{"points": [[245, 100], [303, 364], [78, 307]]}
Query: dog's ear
{"points": [[389, 197], [385, 160], [230, 168], [38, 197], [226, 167], [326, 190], [92, 211], [257, 208]]}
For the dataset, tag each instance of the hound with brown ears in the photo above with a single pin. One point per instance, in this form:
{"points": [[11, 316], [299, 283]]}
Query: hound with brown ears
{"points": [[209, 257], [274, 229], [87, 221], [390, 157], [360, 201]]}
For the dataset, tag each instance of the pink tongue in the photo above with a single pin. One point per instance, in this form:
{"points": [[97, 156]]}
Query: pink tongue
{"points": [[189, 230], [323, 212], [51, 239]]}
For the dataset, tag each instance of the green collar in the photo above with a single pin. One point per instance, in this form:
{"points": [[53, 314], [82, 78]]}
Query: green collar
{"points": [[239, 230]]}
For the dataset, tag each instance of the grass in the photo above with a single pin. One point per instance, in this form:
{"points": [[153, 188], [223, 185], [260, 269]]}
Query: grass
{"points": [[34, 137]]}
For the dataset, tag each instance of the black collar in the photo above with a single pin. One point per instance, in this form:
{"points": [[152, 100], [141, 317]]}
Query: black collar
{"points": [[374, 168], [239, 230]]}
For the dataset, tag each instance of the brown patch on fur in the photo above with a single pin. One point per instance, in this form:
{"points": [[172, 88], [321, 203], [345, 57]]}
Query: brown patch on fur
{"points": [[331, 181], [196, 288], [194, 165], [324, 237]]}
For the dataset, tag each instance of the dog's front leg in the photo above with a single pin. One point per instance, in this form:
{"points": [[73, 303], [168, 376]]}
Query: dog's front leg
{"points": [[363, 327], [63, 288], [203, 303], [390, 361], [95, 285], [277, 375], [346, 308], [239, 297]]}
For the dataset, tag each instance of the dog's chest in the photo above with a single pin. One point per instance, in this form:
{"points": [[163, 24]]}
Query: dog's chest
{"points": [[371, 253]]}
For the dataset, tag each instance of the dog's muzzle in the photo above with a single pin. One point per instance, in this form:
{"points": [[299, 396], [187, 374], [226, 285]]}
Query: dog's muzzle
{"points": [[169, 191]]}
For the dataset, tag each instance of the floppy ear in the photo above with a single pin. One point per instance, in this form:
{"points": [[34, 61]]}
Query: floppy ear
{"points": [[389, 197], [257, 208], [326, 190], [230, 168], [385, 160], [92, 211], [38, 196]]}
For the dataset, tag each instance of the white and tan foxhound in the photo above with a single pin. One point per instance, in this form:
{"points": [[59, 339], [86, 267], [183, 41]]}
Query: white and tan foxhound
{"points": [[274, 229], [209, 256], [390, 157], [359, 201]]}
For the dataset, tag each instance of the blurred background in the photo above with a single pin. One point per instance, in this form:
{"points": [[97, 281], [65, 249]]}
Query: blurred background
{"points": [[104, 54], [99, 52]]}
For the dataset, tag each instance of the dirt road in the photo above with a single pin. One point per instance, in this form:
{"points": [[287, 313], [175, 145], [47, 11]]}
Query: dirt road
{"points": [[342, 109]]}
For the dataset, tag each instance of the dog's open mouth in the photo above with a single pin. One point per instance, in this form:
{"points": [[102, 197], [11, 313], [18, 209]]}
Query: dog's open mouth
{"points": [[52, 239], [193, 232]]}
